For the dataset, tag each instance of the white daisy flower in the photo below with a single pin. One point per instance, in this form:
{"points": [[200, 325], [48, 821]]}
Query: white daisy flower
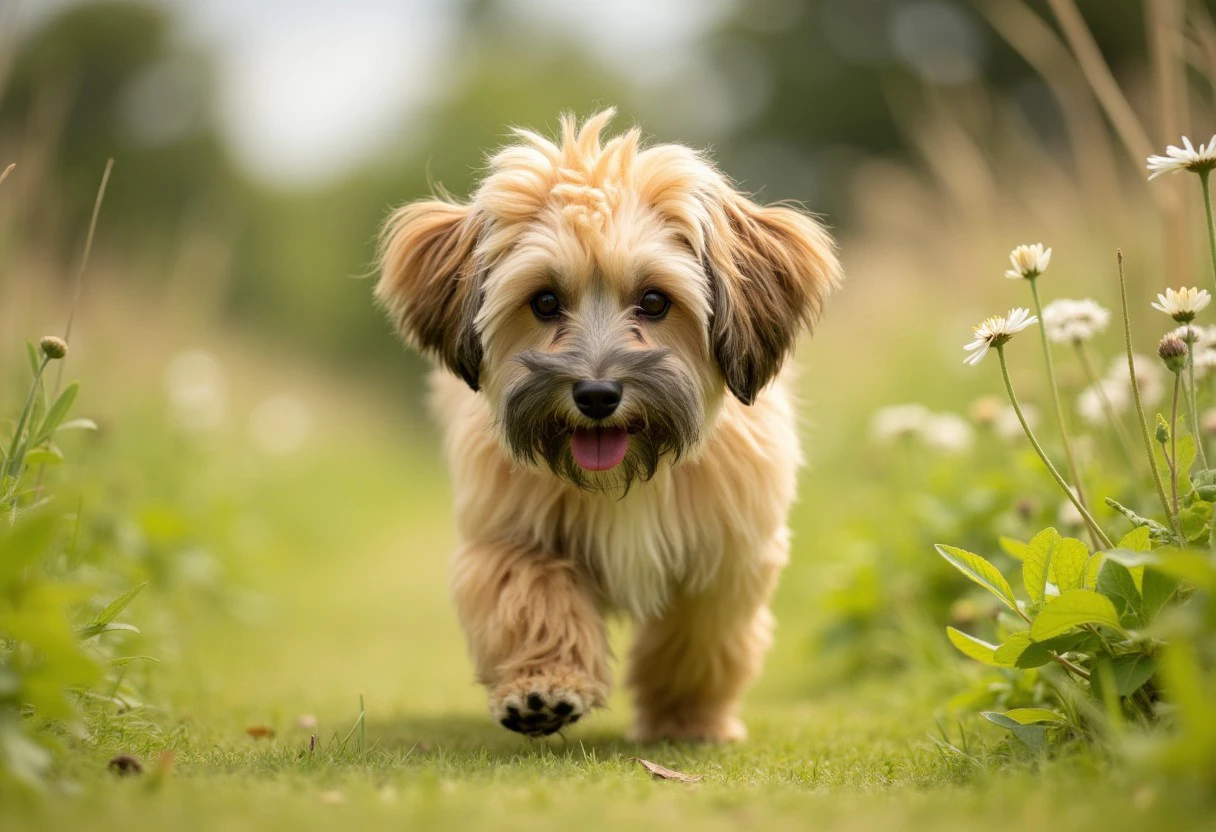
{"points": [[1188, 157], [1068, 321], [996, 332], [1007, 425], [1028, 261], [1183, 304], [899, 421], [1090, 405], [948, 432]]}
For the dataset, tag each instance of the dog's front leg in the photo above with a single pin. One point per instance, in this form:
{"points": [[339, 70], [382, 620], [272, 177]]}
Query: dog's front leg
{"points": [[690, 666], [535, 635]]}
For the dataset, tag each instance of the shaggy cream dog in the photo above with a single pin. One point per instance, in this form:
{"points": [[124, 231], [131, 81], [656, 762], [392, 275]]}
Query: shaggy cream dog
{"points": [[614, 318]]}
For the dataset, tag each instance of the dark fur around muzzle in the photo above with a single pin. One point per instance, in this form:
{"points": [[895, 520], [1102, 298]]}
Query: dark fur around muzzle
{"points": [[661, 407]]}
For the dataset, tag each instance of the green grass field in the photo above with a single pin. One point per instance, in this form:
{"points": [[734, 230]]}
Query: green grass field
{"points": [[344, 600]]}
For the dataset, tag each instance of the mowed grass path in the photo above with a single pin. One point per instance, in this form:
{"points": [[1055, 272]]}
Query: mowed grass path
{"points": [[354, 604]]}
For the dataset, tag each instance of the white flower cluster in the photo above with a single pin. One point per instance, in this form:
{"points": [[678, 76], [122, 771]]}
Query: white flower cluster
{"points": [[946, 432], [1068, 321], [1116, 388]]}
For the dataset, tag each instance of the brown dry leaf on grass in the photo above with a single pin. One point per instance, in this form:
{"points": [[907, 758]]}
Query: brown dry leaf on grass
{"points": [[260, 732], [664, 773]]}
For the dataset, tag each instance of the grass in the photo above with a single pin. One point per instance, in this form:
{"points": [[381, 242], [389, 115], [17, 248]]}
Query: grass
{"points": [[344, 601]]}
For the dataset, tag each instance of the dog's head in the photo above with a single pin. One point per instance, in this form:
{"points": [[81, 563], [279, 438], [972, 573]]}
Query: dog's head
{"points": [[603, 296]]}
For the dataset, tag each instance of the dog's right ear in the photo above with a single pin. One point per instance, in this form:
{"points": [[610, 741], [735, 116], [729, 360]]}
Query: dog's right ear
{"points": [[430, 282]]}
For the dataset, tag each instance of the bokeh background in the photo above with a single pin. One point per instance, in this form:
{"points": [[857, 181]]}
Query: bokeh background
{"points": [[264, 453]]}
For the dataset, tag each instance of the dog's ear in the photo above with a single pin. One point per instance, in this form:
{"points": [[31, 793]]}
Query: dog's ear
{"points": [[430, 281], [770, 268]]}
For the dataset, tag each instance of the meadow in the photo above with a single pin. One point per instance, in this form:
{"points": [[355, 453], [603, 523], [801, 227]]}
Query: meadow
{"points": [[223, 597]]}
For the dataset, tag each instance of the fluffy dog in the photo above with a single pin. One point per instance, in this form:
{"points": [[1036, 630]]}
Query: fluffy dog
{"points": [[614, 318]]}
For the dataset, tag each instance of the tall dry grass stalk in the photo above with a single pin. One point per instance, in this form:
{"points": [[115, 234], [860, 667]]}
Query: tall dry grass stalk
{"points": [[1164, 20]]}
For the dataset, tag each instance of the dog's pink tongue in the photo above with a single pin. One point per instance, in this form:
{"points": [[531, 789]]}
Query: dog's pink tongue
{"points": [[599, 449]]}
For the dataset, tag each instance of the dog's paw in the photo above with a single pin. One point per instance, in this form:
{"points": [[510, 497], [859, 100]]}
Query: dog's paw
{"points": [[540, 704], [707, 728]]}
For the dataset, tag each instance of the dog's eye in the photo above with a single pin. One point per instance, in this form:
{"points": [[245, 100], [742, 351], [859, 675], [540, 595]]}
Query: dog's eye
{"points": [[545, 305], [654, 304]]}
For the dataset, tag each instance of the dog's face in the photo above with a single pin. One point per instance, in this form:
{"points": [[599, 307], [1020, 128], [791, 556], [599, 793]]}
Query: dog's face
{"points": [[603, 297]]}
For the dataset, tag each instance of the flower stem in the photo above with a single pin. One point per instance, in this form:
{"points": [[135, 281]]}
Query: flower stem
{"points": [[1193, 402], [1059, 408], [1095, 529], [13, 466], [1091, 376], [1207, 204], [1131, 369], [1172, 459]]}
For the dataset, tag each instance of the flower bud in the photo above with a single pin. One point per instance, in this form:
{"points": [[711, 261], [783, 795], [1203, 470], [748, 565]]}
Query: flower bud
{"points": [[53, 347], [1172, 350], [1163, 430]]}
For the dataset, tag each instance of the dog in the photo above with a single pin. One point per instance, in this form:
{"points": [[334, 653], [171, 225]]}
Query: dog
{"points": [[612, 320]]}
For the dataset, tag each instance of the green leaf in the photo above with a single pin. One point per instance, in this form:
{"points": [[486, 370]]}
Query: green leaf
{"points": [[1091, 569], [1072, 609], [1157, 589], [1156, 531], [980, 571], [1137, 540], [116, 606], [1069, 562], [77, 424], [972, 647], [46, 455], [1016, 549], [1131, 672], [57, 413], [92, 630], [31, 352], [1040, 653], [1033, 737], [1037, 564], [1115, 581], [1007, 654], [1029, 716]]}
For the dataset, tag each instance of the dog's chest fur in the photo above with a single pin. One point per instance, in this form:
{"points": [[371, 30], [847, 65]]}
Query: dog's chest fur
{"points": [[667, 536]]}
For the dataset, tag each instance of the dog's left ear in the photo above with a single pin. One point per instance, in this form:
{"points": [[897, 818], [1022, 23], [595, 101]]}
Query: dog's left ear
{"points": [[430, 282], [770, 268]]}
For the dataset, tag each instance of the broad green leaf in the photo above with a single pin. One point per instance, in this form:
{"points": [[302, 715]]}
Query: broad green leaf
{"points": [[1033, 737], [1186, 454], [980, 571], [1195, 520], [972, 647], [1157, 589], [1016, 549], [1130, 559], [46, 455], [1137, 540], [1069, 562], [1131, 672], [1029, 716], [1117, 584], [1040, 653], [1072, 609], [116, 606], [1007, 654], [1037, 564], [1189, 566], [1091, 570], [57, 413]]}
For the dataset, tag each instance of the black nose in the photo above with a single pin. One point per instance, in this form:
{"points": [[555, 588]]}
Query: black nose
{"points": [[597, 399]]}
